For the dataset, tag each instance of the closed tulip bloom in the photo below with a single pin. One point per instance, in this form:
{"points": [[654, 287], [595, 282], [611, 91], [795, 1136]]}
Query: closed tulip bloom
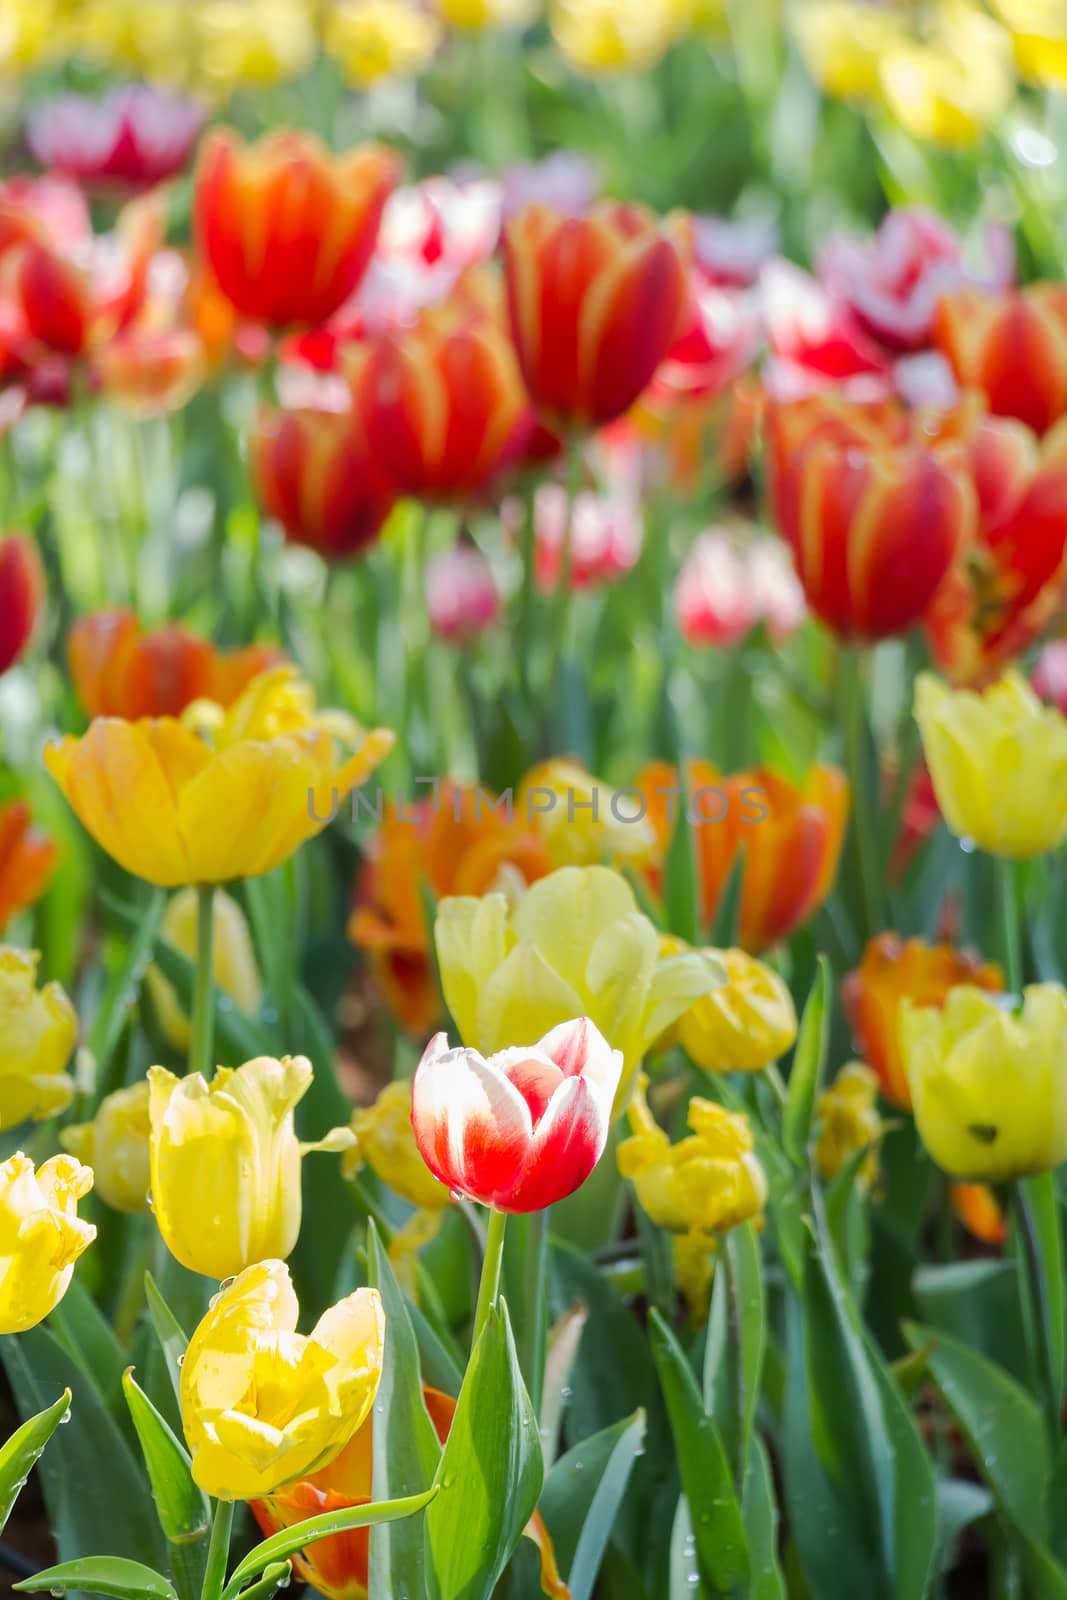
{"points": [[989, 1084], [612, 35], [707, 1183], [844, 44], [521, 1129], [133, 137], [1012, 347], [116, 1146], [998, 760], [27, 860], [150, 373], [595, 302], [316, 473], [951, 86], [847, 1121], [41, 1236], [225, 1162], [1039, 39], [262, 1405], [38, 1032], [22, 586], [742, 1027], [385, 1141], [581, 820], [179, 807], [574, 945], [727, 585], [893, 970], [462, 598], [375, 39], [287, 228], [236, 974]]}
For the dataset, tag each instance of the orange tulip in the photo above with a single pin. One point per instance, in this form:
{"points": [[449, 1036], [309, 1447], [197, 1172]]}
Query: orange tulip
{"points": [[1012, 346], [27, 858], [893, 970], [979, 1210], [151, 373], [791, 837], [456, 844], [596, 302], [287, 228], [22, 591], [121, 671]]}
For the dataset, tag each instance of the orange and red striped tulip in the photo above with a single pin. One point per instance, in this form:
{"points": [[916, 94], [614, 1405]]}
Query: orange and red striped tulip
{"points": [[596, 302], [874, 518], [119, 670], [791, 836], [1010, 346], [151, 373], [893, 970], [27, 858], [22, 591], [287, 228]]}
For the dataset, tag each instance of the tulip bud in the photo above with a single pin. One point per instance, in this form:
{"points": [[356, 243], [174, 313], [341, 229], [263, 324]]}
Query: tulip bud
{"points": [[22, 588], [462, 599], [847, 1121], [38, 1030], [115, 1144], [385, 1142], [315, 472], [741, 1027], [41, 1236], [234, 961]]}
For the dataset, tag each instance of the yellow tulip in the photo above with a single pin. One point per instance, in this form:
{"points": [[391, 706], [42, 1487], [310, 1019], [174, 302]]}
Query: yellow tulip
{"points": [[372, 39], [1039, 38], [743, 1026], [115, 1145], [609, 35], [27, 33], [989, 1085], [38, 1030], [998, 760], [580, 820], [948, 88], [707, 1183], [574, 945], [41, 1236], [241, 45], [225, 1162], [234, 961], [261, 1404], [843, 44], [847, 1119], [385, 1142], [476, 15], [232, 799], [694, 1271]]}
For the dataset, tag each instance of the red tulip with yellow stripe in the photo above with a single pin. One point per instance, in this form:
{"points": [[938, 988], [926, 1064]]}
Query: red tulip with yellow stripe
{"points": [[1012, 347], [119, 669], [596, 302], [22, 590]]}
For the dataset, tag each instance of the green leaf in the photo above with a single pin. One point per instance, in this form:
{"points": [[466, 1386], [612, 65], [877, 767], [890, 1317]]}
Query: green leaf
{"points": [[110, 1575], [718, 1527], [122, 991], [184, 1512], [809, 1065], [406, 1448], [978, 1303], [959, 1503], [681, 880], [725, 930], [276, 1576], [19, 1454], [1038, 1196], [760, 1510], [169, 1332], [582, 1496], [491, 1471], [748, 1336]]}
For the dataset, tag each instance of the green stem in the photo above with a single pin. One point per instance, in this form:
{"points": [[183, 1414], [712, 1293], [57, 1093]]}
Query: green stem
{"points": [[202, 1043], [1036, 1288], [561, 601], [864, 803], [491, 1264], [218, 1551], [526, 594], [1011, 944], [533, 1336]]}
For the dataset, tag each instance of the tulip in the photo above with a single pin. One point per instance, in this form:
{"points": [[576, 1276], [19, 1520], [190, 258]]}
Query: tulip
{"points": [[38, 1031], [844, 44], [566, 181], [574, 945], [595, 304], [476, 15], [953, 85], [791, 837], [133, 137], [443, 404], [287, 228], [263, 1405], [374, 39], [316, 473], [977, 1207], [1012, 347], [151, 374], [998, 762], [116, 1146], [727, 586], [742, 1027], [27, 860], [521, 1129], [385, 1142], [22, 586], [462, 599], [989, 1084], [890, 972], [235, 972], [581, 820], [846, 1122], [41, 1236], [235, 47], [225, 1162], [174, 809], [441, 223], [606, 536], [1039, 39], [609, 35]]}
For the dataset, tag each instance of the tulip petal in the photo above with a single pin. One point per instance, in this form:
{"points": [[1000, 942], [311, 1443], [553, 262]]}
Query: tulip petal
{"points": [[472, 940], [567, 1144], [523, 998], [472, 1126]]}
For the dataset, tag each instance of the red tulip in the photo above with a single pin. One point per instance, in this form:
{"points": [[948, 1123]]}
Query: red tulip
{"points": [[119, 670], [521, 1129], [27, 859], [1012, 347], [133, 137], [596, 302], [21, 595], [287, 228]]}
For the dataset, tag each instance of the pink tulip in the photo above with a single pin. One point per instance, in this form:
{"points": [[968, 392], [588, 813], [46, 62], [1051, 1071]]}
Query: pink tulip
{"points": [[134, 137], [462, 598], [606, 537], [727, 585]]}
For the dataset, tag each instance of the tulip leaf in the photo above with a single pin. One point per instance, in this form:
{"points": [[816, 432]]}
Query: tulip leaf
{"points": [[809, 1065], [184, 1511], [290, 1541], [718, 1526], [105, 1031], [760, 1510], [325, 1193], [406, 1448], [110, 1575], [748, 1336], [725, 930], [1039, 1212], [276, 1576], [582, 1496], [20, 1452], [169, 1332], [491, 1471]]}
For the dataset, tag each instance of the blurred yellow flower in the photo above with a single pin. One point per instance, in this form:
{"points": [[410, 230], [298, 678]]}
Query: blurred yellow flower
{"points": [[707, 1183], [953, 85], [152, 37], [611, 35], [41, 1236], [385, 1142], [843, 44], [38, 1031], [1039, 38], [581, 820], [575, 945], [847, 1121], [743, 1026], [234, 799], [234, 961], [225, 1162], [263, 1405], [251, 46], [989, 1085], [998, 761], [372, 39], [115, 1145], [27, 33], [478, 14]]}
